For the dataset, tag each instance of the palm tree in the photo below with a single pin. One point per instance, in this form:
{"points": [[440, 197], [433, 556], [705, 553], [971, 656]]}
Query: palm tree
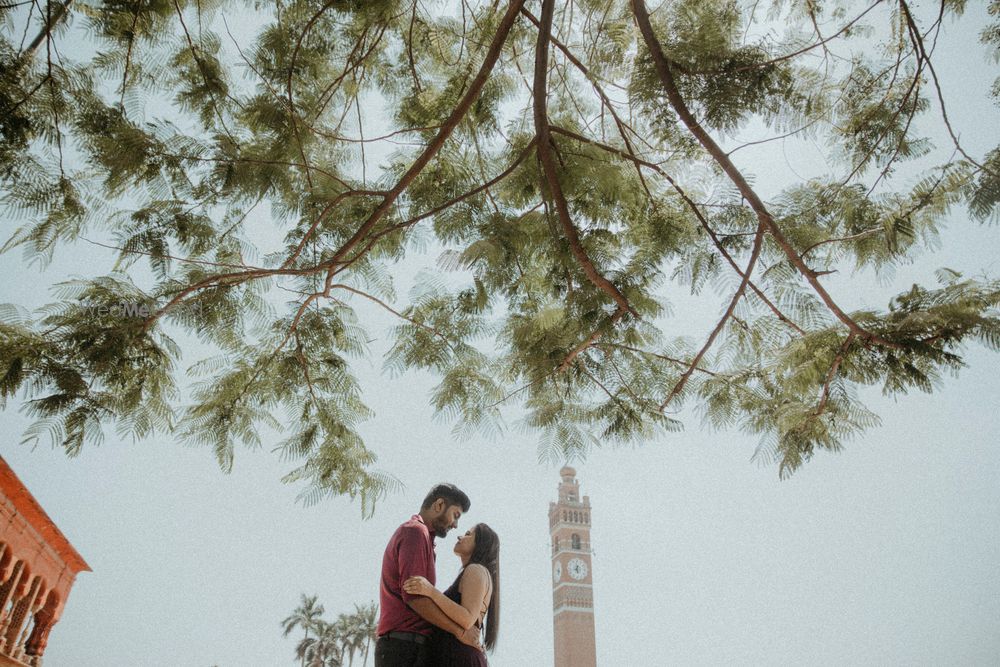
{"points": [[330, 646], [358, 631], [306, 649], [366, 622], [335, 644], [323, 650], [348, 636], [307, 616]]}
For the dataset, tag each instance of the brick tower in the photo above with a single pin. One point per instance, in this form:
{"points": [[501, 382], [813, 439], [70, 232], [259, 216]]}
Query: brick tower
{"points": [[572, 576]]}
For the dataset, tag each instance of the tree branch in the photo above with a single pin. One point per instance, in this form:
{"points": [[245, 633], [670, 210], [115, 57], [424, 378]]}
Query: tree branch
{"points": [[185, 260], [594, 337], [374, 299], [662, 66], [605, 100], [540, 93], [319, 219], [922, 54], [128, 57], [694, 208], [459, 112], [204, 74], [754, 255], [437, 209], [46, 31], [291, 75], [839, 359]]}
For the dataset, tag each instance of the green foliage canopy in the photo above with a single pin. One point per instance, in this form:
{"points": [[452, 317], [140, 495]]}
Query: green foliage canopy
{"points": [[569, 158]]}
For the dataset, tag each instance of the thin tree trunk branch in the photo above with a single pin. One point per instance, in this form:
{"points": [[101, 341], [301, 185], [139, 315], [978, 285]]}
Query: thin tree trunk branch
{"points": [[656, 355], [331, 89], [291, 75], [185, 260], [788, 56], [204, 73], [222, 279], [605, 100], [540, 93], [754, 255], [601, 385], [459, 112], [46, 31], [437, 209], [128, 57], [852, 237], [282, 163], [694, 208], [593, 338], [662, 66], [922, 54], [838, 360], [374, 299], [371, 140], [304, 363], [319, 219], [409, 49]]}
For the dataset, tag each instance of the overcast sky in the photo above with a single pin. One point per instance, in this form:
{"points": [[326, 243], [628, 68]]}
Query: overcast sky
{"points": [[886, 553]]}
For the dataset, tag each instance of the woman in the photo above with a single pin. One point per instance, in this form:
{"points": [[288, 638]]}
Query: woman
{"points": [[473, 598]]}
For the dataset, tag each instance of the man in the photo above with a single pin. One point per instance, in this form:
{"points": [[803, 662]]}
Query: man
{"points": [[406, 621]]}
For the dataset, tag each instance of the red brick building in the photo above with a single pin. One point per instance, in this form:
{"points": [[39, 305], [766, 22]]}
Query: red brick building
{"points": [[38, 566], [572, 576]]}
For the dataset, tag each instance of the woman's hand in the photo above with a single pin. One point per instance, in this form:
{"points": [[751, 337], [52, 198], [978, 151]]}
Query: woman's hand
{"points": [[417, 586], [470, 637]]}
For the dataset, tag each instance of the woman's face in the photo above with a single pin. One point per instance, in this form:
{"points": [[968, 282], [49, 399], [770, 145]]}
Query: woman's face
{"points": [[466, 543]]}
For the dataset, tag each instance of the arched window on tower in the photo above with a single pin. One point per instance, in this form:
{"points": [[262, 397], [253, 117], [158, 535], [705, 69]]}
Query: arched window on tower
{"points": [[576, 541]]}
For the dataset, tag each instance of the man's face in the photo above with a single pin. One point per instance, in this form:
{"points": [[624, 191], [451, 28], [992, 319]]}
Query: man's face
{"points": [[446, 518]]}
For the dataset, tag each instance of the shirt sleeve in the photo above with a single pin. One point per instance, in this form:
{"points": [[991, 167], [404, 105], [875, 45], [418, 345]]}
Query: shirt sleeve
{"points": [[415, 558]]}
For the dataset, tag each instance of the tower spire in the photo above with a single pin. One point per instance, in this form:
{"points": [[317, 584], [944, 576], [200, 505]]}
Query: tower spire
{"points": [[572, 575]]}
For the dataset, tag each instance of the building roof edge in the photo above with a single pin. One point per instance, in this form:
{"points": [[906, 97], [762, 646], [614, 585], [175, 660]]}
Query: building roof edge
{"points": [[29, 508]]}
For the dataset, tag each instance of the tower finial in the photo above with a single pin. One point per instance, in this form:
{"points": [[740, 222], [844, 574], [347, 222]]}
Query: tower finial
{"points": [[574, 639]]}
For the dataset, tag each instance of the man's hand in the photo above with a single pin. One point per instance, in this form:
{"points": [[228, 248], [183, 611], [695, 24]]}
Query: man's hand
{"points": [[431, 613], [470, 637]]}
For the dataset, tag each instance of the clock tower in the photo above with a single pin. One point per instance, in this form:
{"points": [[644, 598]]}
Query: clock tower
{"points": [[572, 576]]}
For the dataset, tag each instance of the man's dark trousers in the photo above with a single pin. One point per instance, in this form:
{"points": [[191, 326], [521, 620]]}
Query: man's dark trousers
{"points": [[391, 652]]}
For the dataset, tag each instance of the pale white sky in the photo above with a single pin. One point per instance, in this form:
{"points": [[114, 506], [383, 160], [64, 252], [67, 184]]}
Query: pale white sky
{"points": [[884, 554]]}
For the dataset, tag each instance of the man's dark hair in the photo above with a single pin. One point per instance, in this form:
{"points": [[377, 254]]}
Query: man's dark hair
{"points": [[451, 494]]}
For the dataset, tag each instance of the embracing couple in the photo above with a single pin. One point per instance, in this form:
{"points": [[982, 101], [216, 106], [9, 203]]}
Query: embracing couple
{"points": [[419, 626]]}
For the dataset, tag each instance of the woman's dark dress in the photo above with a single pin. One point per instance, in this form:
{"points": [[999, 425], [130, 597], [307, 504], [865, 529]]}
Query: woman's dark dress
{"points": [[446, 650]]}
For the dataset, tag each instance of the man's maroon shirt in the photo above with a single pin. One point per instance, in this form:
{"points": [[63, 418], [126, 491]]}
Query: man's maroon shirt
{"points": [[410, 553]]}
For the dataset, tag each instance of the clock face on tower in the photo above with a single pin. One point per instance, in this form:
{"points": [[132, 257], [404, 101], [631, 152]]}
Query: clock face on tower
{"points": [[576, 568], [557, 571]]}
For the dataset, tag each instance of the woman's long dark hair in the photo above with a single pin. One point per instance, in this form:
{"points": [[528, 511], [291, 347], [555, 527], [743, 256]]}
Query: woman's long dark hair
{"points": [[487, 553]]}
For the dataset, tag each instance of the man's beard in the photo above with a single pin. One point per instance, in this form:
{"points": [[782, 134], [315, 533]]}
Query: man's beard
{"points": [[440, 529]]}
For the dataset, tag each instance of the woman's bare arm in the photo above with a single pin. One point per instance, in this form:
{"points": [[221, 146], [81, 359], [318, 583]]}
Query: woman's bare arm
{"points": [[473, 587]]}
